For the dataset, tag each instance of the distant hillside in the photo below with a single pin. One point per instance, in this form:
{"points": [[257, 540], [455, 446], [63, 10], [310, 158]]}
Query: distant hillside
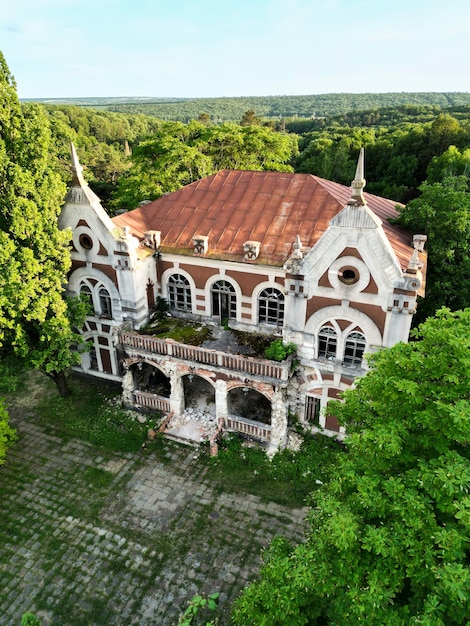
{"points": [[232, 109], [102, 102]]}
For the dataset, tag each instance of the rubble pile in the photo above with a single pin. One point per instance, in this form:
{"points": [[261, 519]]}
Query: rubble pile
{"points": [[202, 417]]}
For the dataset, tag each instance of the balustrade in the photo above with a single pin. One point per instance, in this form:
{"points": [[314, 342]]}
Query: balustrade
{"points": [[248, 427], [151, 401], [236, 362]]}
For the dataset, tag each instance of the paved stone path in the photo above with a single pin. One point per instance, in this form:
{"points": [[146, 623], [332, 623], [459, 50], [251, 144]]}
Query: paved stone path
{"points": [[92, 539]]}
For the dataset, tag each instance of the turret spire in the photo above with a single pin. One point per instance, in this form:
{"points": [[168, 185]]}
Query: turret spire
{"points": [[358, 184]]}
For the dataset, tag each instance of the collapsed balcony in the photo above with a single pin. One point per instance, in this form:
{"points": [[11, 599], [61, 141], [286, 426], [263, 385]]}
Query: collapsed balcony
{"points": [[204, 390]]}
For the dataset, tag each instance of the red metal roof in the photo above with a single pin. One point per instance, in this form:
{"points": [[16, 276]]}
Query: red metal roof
{"points": [[234, 206]]}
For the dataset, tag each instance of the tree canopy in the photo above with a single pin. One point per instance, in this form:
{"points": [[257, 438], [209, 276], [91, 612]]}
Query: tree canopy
{"points": [[389, 534], [442, 212], [178, 154], [35, 320]]}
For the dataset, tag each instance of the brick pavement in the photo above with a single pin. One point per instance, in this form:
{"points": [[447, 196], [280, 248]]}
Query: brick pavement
{"points": [[131, 549]]}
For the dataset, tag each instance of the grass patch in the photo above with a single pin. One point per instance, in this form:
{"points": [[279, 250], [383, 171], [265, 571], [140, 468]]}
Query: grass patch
{"points": [[92, 413], [179, 330], [287, 479], [257, 343], [12, 375], [97, 477]]}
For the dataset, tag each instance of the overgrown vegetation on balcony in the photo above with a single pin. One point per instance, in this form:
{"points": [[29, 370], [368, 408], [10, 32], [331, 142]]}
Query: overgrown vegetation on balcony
{"points": [[164, 326], [180, 330]]}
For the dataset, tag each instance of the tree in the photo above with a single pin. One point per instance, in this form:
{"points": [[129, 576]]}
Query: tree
{"points": [[452, 162], [179, 154], [389, 534], [7, 433], [36, 323], [249, 118], [442, 212]]}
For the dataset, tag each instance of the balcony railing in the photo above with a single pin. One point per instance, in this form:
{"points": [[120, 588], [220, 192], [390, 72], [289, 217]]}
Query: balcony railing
{"points": [[151, 401], [215, 358], [245, 426]]}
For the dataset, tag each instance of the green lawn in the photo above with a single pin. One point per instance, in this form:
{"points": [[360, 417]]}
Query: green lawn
{"points": [[93, 413]]}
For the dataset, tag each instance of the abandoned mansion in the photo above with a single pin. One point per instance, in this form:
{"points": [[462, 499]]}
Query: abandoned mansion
{"points": [[293, 257]]}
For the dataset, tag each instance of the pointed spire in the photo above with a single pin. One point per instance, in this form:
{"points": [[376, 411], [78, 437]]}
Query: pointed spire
{"points": [[358, 184], [79, 191], [77, 169], [297, 254]]}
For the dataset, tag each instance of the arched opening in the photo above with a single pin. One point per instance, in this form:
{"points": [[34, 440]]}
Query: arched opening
{"points": [[150, 294], [105, 302], [197, 422], [250, 404], [199, 395], [150, 379], [86, 292]]}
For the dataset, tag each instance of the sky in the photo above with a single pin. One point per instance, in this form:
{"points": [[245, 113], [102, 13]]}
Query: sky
{"points": [[208, 48]]}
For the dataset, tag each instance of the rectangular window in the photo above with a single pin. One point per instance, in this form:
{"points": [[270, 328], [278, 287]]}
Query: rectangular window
{"points": [[312, 409], [93, 359]]}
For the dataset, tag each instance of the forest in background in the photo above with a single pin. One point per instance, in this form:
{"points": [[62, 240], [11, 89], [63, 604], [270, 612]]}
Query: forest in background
{"points": [[270, 107], [401, 142]]}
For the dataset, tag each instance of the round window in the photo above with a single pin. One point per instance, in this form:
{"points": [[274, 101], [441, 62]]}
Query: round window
{"points": [[348, 275], [86, 242]]}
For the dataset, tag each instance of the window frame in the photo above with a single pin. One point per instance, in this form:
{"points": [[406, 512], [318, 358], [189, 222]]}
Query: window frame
{"points": [[327, 335], [223, 288], [106, 303], [357, 346], [179, 293], [271, 307]]}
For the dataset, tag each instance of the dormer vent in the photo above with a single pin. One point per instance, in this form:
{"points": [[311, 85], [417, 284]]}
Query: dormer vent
{"points": [[251, 250], [152, 239], [201, 244]]}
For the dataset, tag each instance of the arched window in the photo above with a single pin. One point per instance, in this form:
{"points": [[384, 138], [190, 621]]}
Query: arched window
{"points": [[354, 349], [86, 292], [271, 307], [105, 302], [327, 343], [179, 293], [224, 300]]}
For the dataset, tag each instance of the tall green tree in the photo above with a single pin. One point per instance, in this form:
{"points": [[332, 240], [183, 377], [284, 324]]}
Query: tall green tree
{"points": [[389, 534], [36, 323], [442, 212]]}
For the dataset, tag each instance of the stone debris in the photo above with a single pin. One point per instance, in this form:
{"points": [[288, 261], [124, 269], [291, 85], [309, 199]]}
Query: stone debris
{"points": [[202, 417]]}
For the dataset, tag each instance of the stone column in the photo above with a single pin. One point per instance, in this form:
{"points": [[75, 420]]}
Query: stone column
{"points": [[177, 392], [221, 409], [278, 422], [127, 388]]}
